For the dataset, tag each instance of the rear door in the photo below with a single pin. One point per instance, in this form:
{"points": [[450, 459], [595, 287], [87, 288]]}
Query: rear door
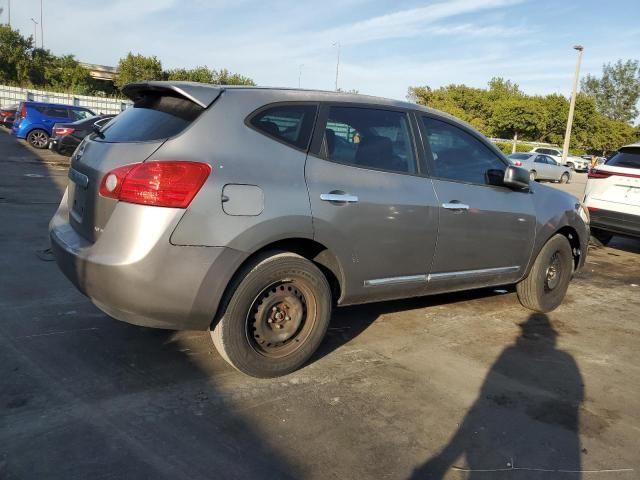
{"points": [[486, 231], [369, 202], [542, 167], [158, 113], [53, 115]]}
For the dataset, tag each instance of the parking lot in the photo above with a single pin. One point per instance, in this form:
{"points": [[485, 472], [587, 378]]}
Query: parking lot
{"points": [[435, 387]]}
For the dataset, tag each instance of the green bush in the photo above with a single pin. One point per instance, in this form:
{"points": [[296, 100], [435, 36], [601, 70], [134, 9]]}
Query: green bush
{"points": [[506, 147]]}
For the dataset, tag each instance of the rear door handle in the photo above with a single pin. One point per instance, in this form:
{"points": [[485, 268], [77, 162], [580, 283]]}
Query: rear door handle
{"points": [[338, 197], [455, 205]]}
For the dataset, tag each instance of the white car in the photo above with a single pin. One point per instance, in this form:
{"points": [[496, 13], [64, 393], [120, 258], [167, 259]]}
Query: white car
{"points": [[577, 163], [612, 196]]}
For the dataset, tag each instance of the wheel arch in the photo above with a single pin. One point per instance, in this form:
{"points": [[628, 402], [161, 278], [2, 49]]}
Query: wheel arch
{"points": [[574, 241], [36, 127], [312, 250]]}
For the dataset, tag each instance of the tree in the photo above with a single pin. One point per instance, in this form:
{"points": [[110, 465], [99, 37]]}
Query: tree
{"points": [[198, 74], [225, 77], [15, 56], [617, 92], [518, 116], [136, 68]]}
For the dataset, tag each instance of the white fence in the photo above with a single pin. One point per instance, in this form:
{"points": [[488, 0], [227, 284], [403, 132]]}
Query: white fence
{"points": [[13, 95]]}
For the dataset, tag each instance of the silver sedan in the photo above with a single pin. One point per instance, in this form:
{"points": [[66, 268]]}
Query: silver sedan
{"points": [[541, 167]]}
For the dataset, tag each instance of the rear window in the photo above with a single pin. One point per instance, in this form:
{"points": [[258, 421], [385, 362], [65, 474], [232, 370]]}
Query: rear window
{"points": [[153, 116], [519, 156], [291, 124], [625, 157]]}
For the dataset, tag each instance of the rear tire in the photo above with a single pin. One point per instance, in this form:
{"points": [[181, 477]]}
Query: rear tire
{"points": [[276, 316], [564, 178], [600, 238], [532, 176], [546, 285], [38, 138]]}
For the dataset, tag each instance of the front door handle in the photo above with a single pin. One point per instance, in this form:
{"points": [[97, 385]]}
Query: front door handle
{"points": [[455, 205], [338, 197]]}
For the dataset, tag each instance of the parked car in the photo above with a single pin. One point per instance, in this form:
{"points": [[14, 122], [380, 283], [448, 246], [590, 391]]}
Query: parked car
{"points": [[541, 167], [577, 163], [612, 195], [251, 212], [7, 115], [67, 136], [35, 120]]}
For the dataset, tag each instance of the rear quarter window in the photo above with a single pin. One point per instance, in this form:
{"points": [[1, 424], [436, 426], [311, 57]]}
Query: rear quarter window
{"points": [[291, 124], [153, 116]]}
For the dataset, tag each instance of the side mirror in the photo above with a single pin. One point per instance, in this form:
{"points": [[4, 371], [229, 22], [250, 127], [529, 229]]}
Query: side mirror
{"points": [[516, 178]]}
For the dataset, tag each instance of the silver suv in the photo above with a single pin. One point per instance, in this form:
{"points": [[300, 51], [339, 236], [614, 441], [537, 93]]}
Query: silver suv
{"points": [[250, 212]]}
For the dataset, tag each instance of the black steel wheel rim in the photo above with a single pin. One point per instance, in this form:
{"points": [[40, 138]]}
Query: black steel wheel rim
{"points": [[553, 273], [281, 318]]}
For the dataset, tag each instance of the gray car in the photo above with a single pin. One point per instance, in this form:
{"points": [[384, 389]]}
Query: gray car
{"points": [[251, 212], [541, 167]]}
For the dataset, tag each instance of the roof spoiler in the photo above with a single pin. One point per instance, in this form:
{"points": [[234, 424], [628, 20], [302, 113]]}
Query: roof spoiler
{"points": [[199, 93]]}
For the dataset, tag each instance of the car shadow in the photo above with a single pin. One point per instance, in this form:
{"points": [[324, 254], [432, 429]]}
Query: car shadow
{"points": [[349, 322], [525, 420]]}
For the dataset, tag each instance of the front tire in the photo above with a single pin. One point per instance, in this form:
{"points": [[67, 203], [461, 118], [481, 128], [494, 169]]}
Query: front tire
{"points": [[38, 138], [546, 285], [276, 316]]}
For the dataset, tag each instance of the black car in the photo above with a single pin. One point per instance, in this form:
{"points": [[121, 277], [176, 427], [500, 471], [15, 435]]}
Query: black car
{"points": [[67, 136]]}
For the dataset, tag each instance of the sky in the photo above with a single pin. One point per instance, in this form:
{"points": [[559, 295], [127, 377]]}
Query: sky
{"points": [[385, 46]]}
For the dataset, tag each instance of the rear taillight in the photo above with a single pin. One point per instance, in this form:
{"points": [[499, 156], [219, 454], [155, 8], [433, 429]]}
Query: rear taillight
{"points": [[62, 131], [517, 163], [593, 173], [23, 112], [161, 184]]}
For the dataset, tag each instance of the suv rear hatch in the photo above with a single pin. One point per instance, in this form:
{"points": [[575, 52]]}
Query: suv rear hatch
{"points": [[619, 178], [161, 110]]}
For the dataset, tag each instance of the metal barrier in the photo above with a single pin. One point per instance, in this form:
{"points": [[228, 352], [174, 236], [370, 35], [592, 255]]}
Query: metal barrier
{"points": [[14, 95]]}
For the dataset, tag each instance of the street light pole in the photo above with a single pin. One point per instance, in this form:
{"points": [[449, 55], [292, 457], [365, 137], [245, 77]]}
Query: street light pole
{"points": [[572, 105], [337, 44], [300, 73]]}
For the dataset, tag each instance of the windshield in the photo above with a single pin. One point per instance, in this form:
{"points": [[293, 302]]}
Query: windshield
{"points": [[628, 157]]}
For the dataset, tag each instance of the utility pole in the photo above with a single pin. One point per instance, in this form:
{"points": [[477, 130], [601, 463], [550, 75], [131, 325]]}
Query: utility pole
{"points": [[35, 33], [337, 44], [41, 27], [300, 74], [572, 105]]}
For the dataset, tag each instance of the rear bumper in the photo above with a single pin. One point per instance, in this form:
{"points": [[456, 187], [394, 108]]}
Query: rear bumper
{"points": [[616, 222], [63, 145], [136, 275]]}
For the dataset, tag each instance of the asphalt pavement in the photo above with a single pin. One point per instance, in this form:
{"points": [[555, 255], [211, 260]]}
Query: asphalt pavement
{"points": [[469, 385]]}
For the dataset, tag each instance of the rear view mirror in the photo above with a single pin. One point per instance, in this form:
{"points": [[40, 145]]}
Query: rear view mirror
{"points": [[516, 177]]}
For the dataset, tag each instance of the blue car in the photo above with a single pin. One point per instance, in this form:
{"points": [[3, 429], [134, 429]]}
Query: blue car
{"points": [[35, 120]]}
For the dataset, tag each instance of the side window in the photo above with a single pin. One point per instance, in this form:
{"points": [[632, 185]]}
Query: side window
{"points": [[57, 112], [77, 114], [457, 155], [290, 124], [369, 138], [541, 159]]}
